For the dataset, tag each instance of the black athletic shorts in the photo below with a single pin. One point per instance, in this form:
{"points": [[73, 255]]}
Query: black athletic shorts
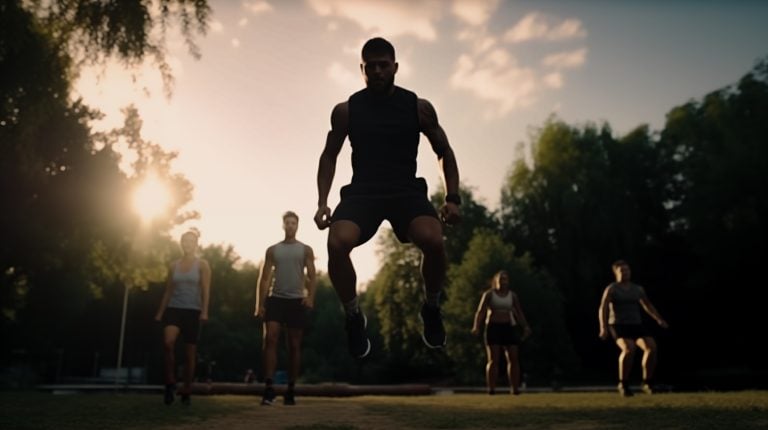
{"points": [[502, 334], [187, 320], [289, 312], [367, 205], [628, 331]]}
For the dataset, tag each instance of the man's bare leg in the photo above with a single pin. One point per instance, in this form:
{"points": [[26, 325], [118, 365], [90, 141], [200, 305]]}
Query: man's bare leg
{"points": [[426, 232], [342, 239], [626, 358], [648, 345]]}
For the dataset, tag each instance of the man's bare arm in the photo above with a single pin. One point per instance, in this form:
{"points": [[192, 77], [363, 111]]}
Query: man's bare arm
{"points": [[311, 282], [262, 286], [449, 212], [327, 165]]}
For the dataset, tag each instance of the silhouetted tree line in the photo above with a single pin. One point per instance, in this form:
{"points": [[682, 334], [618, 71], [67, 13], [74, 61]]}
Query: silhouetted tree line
{"points": [[686, 206]]}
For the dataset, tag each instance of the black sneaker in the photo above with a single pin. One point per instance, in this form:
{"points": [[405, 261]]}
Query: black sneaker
{"points": [[185, 399], [269, 397], [289, 399], [624, 391], [357, 338], [170, 391], [434, 332]]}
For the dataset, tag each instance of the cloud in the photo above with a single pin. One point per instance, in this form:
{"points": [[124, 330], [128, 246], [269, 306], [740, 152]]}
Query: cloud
{"points": [[474, 12], [480, 40], [257, 7], [553, 80], [243, 22], [566, 60], [390, 18], [496, 77], [235, 42], [536, 26], [490, 70]]}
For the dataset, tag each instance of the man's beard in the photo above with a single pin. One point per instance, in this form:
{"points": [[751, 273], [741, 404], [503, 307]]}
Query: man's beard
{"points": [[381, 87]]}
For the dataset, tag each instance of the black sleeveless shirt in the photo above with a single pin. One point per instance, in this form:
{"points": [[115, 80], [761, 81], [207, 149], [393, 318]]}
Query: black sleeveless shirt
{"points": [[384, 133]]}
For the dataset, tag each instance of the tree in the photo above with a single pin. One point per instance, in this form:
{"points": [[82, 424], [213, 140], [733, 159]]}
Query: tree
{"points": [[718, 210], [64, 195]]}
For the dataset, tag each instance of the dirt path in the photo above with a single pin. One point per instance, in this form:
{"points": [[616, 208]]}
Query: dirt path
{"points": [[309, 413], [324, 413]]}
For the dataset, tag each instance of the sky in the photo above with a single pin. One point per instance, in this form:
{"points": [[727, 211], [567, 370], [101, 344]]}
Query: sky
{"points": [[250, 116]]}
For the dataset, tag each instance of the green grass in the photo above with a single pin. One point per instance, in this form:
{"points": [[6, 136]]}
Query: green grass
{"points": [[735, 410], [37, 410], [571, 411]]}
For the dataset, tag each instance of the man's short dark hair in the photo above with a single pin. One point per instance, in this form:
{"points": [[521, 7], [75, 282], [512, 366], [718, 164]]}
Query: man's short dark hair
{"points": [[378, 46], [290, 214], [618, 263]]}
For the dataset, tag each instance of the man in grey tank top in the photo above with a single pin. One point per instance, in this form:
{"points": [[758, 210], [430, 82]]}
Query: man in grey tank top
{"points": [[619, 315], [284, 295]]}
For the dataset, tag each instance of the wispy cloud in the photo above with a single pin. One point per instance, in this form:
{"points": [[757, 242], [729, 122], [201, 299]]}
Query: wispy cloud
{"points": [[536, 26], [257, 7], [474, 12], [235, 42], [478, 38], [243, 22], [489, 69], [496, 77], [566, 60], [390, 18], [553, 80]]}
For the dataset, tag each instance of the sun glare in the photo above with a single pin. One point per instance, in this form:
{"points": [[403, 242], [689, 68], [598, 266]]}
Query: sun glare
{"points": [[151, 198]]}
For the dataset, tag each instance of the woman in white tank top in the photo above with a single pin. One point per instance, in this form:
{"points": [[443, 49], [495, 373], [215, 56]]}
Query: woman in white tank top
{"points": [[503, 313]]}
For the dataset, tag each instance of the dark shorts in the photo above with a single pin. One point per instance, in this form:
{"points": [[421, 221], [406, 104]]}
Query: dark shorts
{"points": [[289, 312], [187, 320], [502, 334], [367, 205], [628, 331]]}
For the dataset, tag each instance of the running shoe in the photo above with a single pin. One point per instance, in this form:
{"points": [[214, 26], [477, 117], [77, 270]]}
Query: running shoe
{"points": [[269, 396], [357, 338], [434, 332]]}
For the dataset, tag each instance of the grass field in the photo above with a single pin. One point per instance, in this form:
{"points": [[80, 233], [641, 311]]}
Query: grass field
{"points": [[572, 411]]}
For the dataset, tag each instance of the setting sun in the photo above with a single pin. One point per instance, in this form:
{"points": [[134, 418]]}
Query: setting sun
{"points": [[151, 198]]}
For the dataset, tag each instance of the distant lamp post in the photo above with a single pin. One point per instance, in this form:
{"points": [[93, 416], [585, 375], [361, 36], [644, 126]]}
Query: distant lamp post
{"points": [[122, 338], [150, 200]]}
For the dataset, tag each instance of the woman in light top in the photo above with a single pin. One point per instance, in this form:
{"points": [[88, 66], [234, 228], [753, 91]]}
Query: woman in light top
{"points": [[620, 316], [501, 311], [183, 308]]}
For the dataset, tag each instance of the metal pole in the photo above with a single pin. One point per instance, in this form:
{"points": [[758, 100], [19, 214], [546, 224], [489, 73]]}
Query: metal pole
{"points": [[122, 337]]}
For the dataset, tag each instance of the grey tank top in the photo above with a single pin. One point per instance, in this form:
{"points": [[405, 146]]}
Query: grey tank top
{"points": [[186, 292], [501, 303], [289, 270], [624, 307]]}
